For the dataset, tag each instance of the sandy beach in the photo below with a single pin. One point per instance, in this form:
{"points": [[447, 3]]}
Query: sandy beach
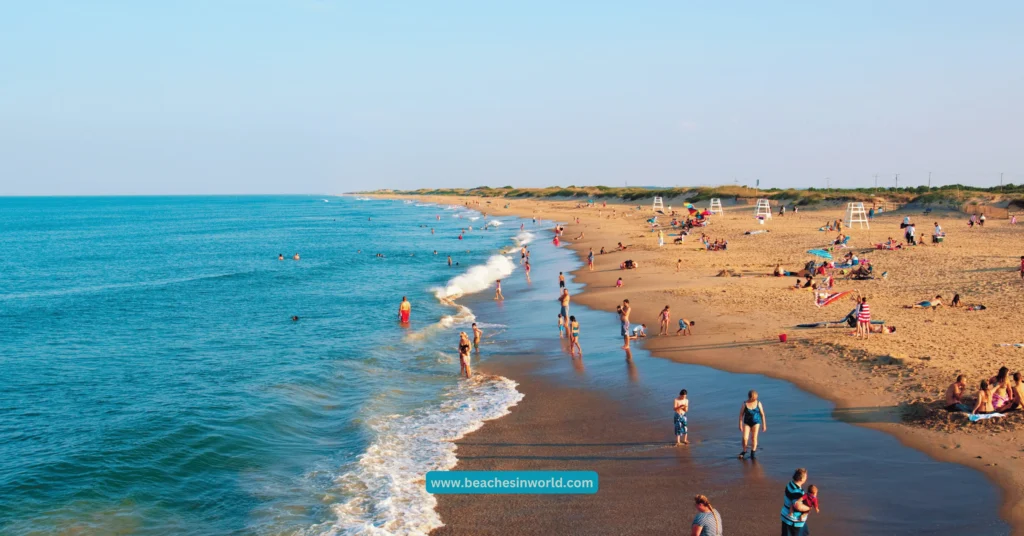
{"points": [[737, 305]]}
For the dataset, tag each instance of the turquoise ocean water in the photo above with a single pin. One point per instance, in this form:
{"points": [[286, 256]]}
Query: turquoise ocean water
{"points": [[153, 381]]}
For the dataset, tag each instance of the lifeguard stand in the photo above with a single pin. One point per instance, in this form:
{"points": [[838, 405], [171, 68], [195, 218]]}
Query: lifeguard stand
{"points": [[763, 210], [855, 213], [659, 206], [716, 206]]}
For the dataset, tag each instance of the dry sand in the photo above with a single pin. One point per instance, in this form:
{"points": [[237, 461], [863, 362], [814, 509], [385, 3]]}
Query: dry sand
{"points": [[861, 377]]}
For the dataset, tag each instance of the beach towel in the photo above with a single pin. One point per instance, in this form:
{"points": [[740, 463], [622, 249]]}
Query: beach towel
{"points": [[976, 418]]}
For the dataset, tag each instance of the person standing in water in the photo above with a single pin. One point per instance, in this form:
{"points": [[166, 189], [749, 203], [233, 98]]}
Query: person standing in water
{"points": [[527, 268], [561, 280], [295, 257], [590, 260], [681, 406], [497, 292], [464, 347], [403, 311], [476, 337], [574, 336], [793, 509], [751, 417], [564, 301], [449, 261], [623, 327]]}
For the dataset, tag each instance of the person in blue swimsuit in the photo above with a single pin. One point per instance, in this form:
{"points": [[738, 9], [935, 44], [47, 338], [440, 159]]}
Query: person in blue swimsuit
{"points": [[681, 405], [752, 417], [574, 337]]}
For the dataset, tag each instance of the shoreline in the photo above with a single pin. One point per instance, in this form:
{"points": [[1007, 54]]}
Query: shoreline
{"points": [[860, 397]]}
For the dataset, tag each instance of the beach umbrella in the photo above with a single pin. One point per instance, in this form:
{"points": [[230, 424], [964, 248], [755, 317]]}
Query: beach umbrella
{"points": [[832, 298], [691, 210], [820, 253]]}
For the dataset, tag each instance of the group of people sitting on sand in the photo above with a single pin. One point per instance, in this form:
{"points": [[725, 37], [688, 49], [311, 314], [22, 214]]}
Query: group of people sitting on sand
{"points": [[890, 244], [713, 245], [834, 225], [999, 394]]}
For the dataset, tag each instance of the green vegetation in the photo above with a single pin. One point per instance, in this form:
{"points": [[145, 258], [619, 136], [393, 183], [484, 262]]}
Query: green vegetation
{"points": [[951, 195]]}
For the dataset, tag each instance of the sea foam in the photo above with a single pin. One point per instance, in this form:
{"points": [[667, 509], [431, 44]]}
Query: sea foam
{"points": [[523, 238], [477, 278], [388, 495]]}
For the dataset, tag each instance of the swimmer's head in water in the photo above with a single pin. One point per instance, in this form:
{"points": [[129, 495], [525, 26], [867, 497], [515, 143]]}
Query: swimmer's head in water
{"points": [[295, 319]]}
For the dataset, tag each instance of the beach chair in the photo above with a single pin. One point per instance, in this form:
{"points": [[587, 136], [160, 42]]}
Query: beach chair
{"points": [[845, 242]]}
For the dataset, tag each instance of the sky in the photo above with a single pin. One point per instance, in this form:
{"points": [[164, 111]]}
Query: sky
{"points": [[325, 96]]}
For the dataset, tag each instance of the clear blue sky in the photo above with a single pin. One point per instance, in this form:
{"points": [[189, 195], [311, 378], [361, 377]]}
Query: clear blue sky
{"points": [[323, 96]]}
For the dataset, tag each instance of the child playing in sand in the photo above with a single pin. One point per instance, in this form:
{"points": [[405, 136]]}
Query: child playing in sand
{"points": [[681, 405], [810, 500], [639, 332], [684, 327], [618, 283]]}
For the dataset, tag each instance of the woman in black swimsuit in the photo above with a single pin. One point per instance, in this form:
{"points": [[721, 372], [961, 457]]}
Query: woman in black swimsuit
{"points": [[464, 349], [751, 418]]}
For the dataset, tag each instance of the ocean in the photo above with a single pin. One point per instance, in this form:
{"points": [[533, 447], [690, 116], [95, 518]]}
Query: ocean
{"points": [[153, 381]]}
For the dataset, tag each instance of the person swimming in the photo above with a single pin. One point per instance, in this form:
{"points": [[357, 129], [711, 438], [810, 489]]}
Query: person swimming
{"points": [[295, 257], [280, 256]]}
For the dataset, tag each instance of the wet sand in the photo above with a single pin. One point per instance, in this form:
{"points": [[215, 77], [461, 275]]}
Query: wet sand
{"points": [[613, 416], [646, 486]]}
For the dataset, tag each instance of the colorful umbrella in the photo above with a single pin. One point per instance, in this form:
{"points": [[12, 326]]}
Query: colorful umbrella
{"points": [[832, 298], [820, 253]]}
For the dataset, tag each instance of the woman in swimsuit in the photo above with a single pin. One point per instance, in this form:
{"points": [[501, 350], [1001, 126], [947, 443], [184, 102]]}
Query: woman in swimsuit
{"points": [[984, 404], [665, 316], [751, 416], [574, 336], [464, 348], [1002, 391]]}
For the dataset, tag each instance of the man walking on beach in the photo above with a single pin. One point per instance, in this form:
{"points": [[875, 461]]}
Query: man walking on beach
{"points": [[792, 514]]}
